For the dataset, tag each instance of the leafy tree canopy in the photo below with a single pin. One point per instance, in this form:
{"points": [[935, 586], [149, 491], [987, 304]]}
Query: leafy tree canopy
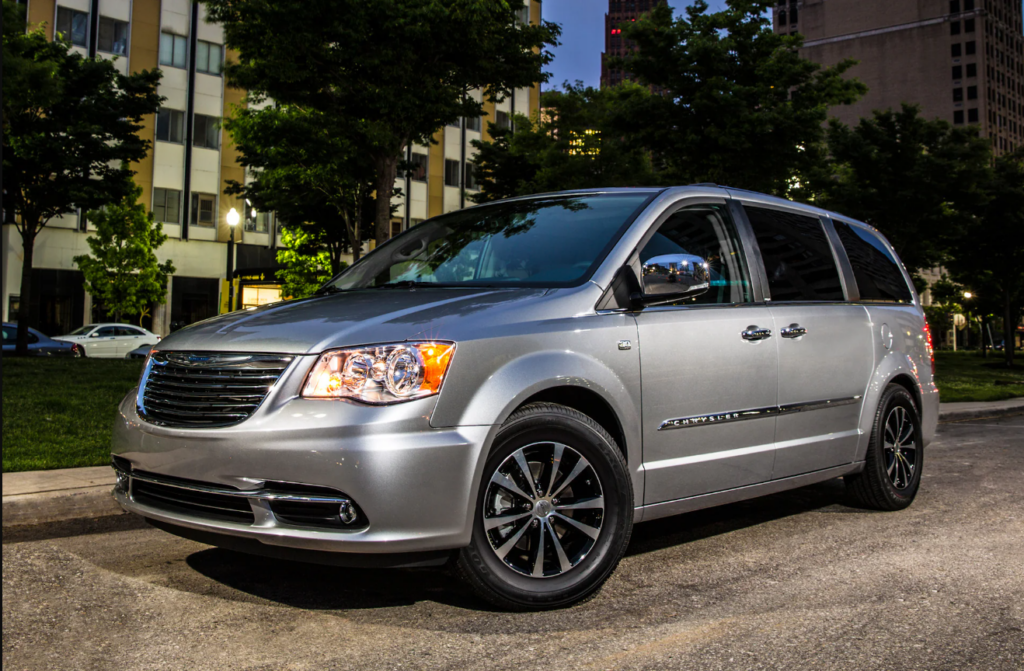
{"points": [[123, 272], [918, 181], [573, 144], [305, 261], [70, 127], [737, 105], [390, 72]]}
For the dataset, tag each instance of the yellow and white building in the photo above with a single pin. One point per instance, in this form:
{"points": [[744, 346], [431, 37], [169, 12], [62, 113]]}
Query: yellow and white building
{"points": [[184, 176]]}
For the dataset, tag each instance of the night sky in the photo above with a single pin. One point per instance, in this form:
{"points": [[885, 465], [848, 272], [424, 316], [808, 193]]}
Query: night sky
{"points": [[582, 22]]}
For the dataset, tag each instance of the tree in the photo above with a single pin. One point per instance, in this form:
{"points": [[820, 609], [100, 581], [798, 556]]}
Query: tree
{"points": [[572, 145], [70, 127], [387, 72], [919, 181], [305, 167], [737, 104], [988, 254], [123, 272], [305, 262]]}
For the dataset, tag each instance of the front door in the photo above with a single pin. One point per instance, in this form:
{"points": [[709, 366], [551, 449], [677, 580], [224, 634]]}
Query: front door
{"points": [[102, 343], [826, 352], [708, 368]]}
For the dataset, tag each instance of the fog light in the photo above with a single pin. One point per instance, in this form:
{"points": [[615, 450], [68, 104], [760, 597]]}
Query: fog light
{"points": [[347, 512], [122, 482]]}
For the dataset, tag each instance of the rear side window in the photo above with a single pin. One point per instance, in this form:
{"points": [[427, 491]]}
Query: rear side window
{"points": [[878, 274], [797, 256]]}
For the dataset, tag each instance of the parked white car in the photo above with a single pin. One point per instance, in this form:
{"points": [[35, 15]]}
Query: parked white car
{"points": [[109, 341]]}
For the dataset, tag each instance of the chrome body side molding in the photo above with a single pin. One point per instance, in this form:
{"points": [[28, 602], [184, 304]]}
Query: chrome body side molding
{"points": [[755, 413]]}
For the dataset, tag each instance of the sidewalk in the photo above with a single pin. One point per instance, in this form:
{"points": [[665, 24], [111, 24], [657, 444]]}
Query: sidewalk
{"points": [[40, 497]]}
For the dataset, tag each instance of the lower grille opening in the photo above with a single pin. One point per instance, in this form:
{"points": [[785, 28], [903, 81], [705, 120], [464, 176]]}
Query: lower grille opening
{"points": [[199, 504]]}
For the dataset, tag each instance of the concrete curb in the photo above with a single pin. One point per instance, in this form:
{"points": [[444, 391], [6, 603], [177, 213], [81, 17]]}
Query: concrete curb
{"points": [[41, 497]]}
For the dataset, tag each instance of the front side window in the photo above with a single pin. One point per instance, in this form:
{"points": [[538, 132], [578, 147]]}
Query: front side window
{"points": [[209, 57], [705, 231], [107, 332], [173, 50], [113, 38], [877, 272], [203, 206], [797, 256], [73, 25], [170, 125], [551, 241], [206, 132], [167, 206]]}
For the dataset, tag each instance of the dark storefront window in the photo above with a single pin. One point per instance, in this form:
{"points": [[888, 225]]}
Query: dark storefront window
{"points": [[193, 299]]}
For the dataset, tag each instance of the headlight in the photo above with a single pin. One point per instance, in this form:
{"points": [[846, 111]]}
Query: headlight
{"points": [[381, 374]]}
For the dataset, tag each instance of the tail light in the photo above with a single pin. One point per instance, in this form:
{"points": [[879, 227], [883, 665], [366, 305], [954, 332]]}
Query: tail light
{"points": [[929, 347]]}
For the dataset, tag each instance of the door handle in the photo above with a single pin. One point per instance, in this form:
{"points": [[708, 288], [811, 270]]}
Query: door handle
{"points": [[793, 331], [756, 333]]}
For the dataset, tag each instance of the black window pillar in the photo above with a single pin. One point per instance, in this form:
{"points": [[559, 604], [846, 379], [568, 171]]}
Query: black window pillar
{"points": [[190, 100]]}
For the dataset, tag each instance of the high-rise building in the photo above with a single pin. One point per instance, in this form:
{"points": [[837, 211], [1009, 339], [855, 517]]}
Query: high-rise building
{"points": [[184, 176], [619, 12], [960, 60]]}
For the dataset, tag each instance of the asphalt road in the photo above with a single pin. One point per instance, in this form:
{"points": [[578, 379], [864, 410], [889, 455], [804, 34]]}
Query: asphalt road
{"points": [[793, 581]]}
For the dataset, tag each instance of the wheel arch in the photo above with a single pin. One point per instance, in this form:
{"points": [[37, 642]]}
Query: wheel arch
{"points": [[590, 403]]}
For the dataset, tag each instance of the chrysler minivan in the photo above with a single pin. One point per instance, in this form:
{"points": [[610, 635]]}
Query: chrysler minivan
{"points": [[509, 388]]}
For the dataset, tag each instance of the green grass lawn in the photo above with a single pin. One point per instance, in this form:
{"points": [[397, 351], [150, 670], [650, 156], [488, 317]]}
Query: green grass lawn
{"points": [[967, 376], [59, 413]]}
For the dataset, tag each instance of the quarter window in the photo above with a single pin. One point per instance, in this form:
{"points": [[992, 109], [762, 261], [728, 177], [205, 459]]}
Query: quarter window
{"points": [[173, 49], [73, 25], [797, 256], [113, 38], [878, 274], [706, 231]]}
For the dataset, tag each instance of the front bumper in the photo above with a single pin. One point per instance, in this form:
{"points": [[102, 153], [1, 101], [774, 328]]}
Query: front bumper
{"points": [[414, 483]]}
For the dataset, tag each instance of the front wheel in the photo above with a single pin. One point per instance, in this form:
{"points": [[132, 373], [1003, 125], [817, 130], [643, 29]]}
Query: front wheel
{"points": [[554, 513], [895, 456]]}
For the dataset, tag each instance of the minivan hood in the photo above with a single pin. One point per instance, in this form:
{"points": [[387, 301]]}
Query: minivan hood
{"points": [[361, 317]]}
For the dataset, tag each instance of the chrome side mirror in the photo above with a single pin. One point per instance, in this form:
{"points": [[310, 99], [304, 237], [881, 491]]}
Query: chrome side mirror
{"points": [[674, 276]]}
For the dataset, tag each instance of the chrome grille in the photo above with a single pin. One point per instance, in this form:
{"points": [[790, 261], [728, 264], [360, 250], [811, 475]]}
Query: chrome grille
{"points": [[196, 389]]}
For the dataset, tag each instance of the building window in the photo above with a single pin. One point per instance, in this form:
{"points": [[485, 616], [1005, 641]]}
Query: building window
{"points": [[473, 123], [792, 14], [970, 47], [258, 222], [958, 72], [457, 123], [471, 177], [206, 132], [958, 95], [958, 117], [972, 69], [170, 125], [968, 5], [954, 6], [113, 36], [972, 115], [782, 17], [972, 92], [969, 25], [203, 207], [954, 27], [173, 49], [419, 167], [502, 120], [451, 172], [209, 57], [73, 25], [955, 50], [167, 206]]}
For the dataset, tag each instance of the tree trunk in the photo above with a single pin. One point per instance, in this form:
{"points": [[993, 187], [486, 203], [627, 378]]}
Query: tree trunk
{"points": [[984, 345], [1009, 330], [26, 300], [387, 168]]}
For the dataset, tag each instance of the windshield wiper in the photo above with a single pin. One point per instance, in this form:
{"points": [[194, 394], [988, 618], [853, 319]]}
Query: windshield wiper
{"points": [[332, 289], [405, 284]]}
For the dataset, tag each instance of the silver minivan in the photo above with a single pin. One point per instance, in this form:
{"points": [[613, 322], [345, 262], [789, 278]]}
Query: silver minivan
{"points": [[510, 388]]}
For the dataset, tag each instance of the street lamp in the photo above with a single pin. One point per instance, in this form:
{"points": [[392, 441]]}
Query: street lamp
{"points": [[968, 295], [232, 218], [967, 334]]}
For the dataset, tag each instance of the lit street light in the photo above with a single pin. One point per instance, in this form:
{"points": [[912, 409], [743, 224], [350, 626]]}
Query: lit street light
{"points": [[232, 218]]}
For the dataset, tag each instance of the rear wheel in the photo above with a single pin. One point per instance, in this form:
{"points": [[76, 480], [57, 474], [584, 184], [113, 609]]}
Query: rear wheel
{"points": [[554, 513], [892, 466]]}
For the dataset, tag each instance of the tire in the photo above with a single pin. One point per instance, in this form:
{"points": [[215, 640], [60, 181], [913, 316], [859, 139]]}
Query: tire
{"points": [[576, 556], [892, 468]]}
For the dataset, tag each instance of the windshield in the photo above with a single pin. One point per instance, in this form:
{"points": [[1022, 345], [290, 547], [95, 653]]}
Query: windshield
{"points": [[82, 330], [554, 241]]}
